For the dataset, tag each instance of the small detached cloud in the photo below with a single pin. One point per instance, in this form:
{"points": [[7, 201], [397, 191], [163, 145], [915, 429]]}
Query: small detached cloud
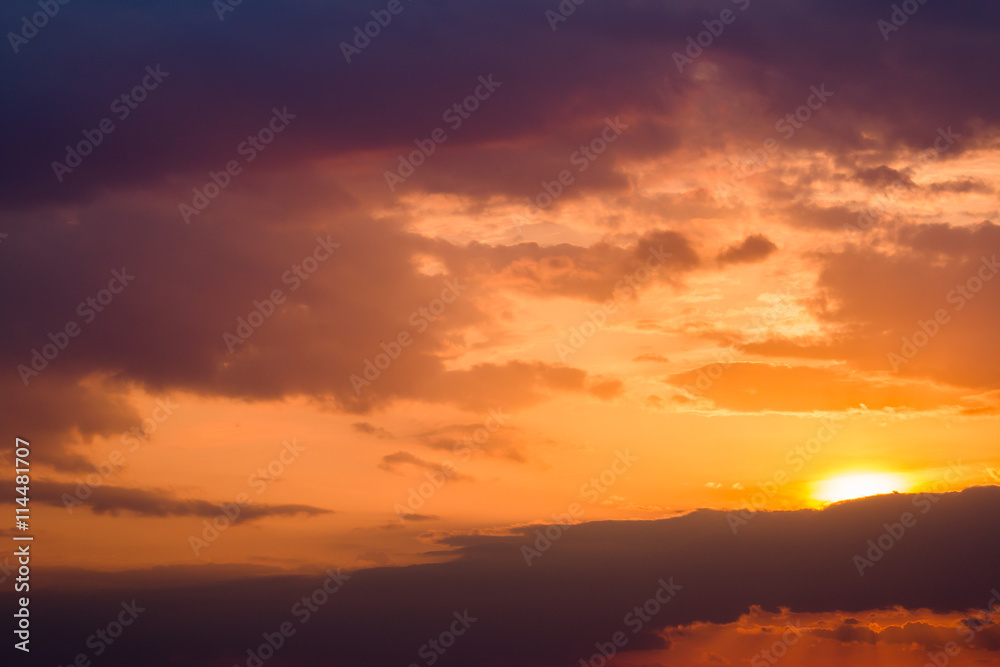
{"points": [[754, 248], [372, 430]]}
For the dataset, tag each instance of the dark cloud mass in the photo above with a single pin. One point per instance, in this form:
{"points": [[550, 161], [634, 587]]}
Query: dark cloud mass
{"points": [[225, 77], [754, 248], [224, 80], [575, 592]]}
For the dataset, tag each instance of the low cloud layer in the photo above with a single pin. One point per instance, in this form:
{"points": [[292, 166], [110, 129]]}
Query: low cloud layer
{"points": [[583, 581]]}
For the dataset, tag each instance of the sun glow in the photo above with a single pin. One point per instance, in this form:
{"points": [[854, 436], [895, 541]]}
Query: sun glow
{"points": [[847, 487]]}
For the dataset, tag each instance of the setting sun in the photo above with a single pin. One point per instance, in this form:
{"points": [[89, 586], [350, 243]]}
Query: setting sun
{"points": [[848, 487]]}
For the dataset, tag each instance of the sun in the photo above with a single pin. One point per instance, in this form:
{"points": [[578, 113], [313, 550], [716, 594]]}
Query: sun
{"points": [[847, 487]]}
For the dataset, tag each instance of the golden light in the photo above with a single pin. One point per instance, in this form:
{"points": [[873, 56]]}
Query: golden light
{"points": [[847, 487]]}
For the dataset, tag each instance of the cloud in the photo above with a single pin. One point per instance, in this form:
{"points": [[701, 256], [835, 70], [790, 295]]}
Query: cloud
{"points": [[889, 93], [652, 356], [113, 500], [370, 429], [372, 280], [592, 273], [962, 186], [754, 248], [607, 389], [64, 413], [307, 183], [927, 300], [928, 636], [392, 463], [848, 633], [882, 177], [504, 443], [890, 634]]}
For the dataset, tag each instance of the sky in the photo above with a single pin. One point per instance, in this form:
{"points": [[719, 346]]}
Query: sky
{"points": [[643, 333]]}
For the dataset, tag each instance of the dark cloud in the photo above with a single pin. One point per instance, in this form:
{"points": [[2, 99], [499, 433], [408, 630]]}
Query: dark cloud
{"points": [[829, 218], [962, 186], [371, 429], [594, 273], [927, 635], [82, 415], [504, 443], [946, 241], [393, 462], [848, 633], [574, 594], [224, 79], [159, 503], [305, 345], [754, 248], [883, 176]]}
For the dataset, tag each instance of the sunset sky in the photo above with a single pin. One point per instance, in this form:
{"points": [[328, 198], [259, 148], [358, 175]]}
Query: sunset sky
{"points": [[522, 308]]}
